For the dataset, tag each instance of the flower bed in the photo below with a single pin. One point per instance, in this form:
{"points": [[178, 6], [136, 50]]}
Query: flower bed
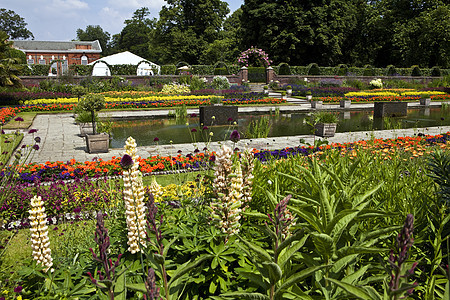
{"points": [[368, 99], [300, 90]]}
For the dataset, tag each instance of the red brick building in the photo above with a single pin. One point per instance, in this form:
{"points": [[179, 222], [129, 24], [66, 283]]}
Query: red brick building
{"points": [[59, 55]]}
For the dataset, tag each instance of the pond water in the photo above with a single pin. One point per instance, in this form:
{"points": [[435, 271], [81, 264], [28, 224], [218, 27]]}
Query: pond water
{"points": [[144, 131]]}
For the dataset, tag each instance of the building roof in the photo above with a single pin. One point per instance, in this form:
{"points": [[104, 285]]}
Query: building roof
{"points": [[57, 46], [122, 58]]}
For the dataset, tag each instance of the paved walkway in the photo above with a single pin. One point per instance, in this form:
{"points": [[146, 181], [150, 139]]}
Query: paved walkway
{"points": [[60, 139]]}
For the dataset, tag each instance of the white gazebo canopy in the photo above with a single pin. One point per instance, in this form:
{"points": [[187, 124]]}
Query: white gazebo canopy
{"points": [[144, 67]]}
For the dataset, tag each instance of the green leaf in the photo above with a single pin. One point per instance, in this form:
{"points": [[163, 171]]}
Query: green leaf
{"points": [[339, 223], [351, 289], [256, 214], [263, 255], [286, 255], [308, 217], [140, 287], [371, 234], [256, 278], [168, 245], [247, 296], [355, 276], [119, 288], [212, 287], [188, 267], [324, 244], [296, 278], [447, 290], [275, 272], [344, 251]]}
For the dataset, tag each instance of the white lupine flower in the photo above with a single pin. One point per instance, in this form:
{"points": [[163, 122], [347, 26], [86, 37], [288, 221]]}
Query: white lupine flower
{"points": [[134, 200], [42, 253], [227, 186]]}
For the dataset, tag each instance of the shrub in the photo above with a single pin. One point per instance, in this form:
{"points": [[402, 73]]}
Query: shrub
{"points": [[221, 71], [284, 69], [341, 70], [368, 71], [220, 83], [313, 69], [168, 69], [435, 71], [391, 70], [415, 71]]}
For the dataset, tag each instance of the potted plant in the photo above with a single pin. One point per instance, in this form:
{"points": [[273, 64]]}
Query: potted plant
{"points": [[283, 95], [216, 101], [92, 103], [84, 120], [289, 90], [425, 100], [308, 95], [266, 89], [345, 102], [325, 124], [317, 104]]}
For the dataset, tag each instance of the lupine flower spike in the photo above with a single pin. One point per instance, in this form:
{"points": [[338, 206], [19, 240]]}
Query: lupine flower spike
{"points": [[227, 186], [398, 284], [40, 242], [134, 198]]}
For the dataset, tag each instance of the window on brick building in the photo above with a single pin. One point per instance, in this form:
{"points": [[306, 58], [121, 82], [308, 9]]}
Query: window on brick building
{"points": [[84, 60]]}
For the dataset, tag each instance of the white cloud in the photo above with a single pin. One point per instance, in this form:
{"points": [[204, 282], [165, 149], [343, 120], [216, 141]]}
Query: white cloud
{"points": [[112, 20], [132, 5]]}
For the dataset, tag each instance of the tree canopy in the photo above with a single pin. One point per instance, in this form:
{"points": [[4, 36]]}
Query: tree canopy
{"points": [[14, 25]]}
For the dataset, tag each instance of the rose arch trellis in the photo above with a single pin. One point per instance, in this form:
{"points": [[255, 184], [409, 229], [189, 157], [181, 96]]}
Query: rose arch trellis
{"points": [[255, 52]]}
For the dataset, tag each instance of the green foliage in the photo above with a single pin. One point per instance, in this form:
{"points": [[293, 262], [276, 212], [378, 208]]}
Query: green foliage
{"points": [[368, 71], [415, 71], [325, 117], [257, 74], [92, 103], [439, 166], [436, 71], [342, 70], [391, 70], [220, 83], [284, 69], [168, 69], [123, 69], [95, 32], [313, 69], [258, 128], [82, 70], [14, 25]]}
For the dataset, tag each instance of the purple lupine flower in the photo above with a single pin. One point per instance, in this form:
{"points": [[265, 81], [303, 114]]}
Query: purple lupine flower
{"points": [[235, 136], [150, 286]]}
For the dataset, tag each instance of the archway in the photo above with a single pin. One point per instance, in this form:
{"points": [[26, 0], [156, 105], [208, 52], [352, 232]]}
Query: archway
{"points": [[101, 68]]}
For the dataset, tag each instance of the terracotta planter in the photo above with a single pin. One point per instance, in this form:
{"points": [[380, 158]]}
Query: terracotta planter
{"points": [[98, 143], [325, 129]]}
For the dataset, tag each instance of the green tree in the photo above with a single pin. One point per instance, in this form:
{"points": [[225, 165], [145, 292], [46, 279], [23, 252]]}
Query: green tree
{"points": [[14, 25], [186, 29], [425, 40], [95, 32], [9, 67], [298, 32], [135, 36]]}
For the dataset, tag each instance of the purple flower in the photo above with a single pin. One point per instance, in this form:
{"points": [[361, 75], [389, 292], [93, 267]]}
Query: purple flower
{"points": [[36, 147], [37, 139], [156, 139], [23, 146], [18, 119], [205, 128], [3, 132], [193, 115], [230, 119], [18, 289], [235, 136], [7, 141], [193, 130], [179, 151], [126, 162], [32, 131], [196, 151]]}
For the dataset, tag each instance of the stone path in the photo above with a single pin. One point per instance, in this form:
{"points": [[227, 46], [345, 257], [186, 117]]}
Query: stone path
{"points": [[60, 140]]}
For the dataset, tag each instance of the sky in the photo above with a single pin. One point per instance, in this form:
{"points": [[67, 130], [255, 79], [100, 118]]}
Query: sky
{"points": [[58, 20]]}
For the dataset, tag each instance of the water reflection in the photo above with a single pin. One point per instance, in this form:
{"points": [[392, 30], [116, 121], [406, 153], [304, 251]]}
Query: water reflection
{"points": [[188, 130]]}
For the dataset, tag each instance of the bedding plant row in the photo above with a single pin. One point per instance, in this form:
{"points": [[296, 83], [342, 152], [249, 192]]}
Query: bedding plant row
{"points": [[367, 220]]}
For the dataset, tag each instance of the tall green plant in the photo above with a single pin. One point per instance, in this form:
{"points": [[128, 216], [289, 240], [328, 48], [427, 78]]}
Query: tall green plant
{"points": [[259, 128]]}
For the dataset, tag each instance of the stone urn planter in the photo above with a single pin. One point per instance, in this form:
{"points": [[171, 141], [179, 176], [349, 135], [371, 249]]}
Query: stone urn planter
{"points": [[97, 143], [325, 129], [316, 104], [289, 90], [425, 101], [345, 103]]}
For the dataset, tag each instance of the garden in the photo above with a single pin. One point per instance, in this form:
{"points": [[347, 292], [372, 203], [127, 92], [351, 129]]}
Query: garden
{"points": [[362, 220]]}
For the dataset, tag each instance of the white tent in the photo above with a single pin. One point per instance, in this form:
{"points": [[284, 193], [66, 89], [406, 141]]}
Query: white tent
{"points": [[143, 66]]}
